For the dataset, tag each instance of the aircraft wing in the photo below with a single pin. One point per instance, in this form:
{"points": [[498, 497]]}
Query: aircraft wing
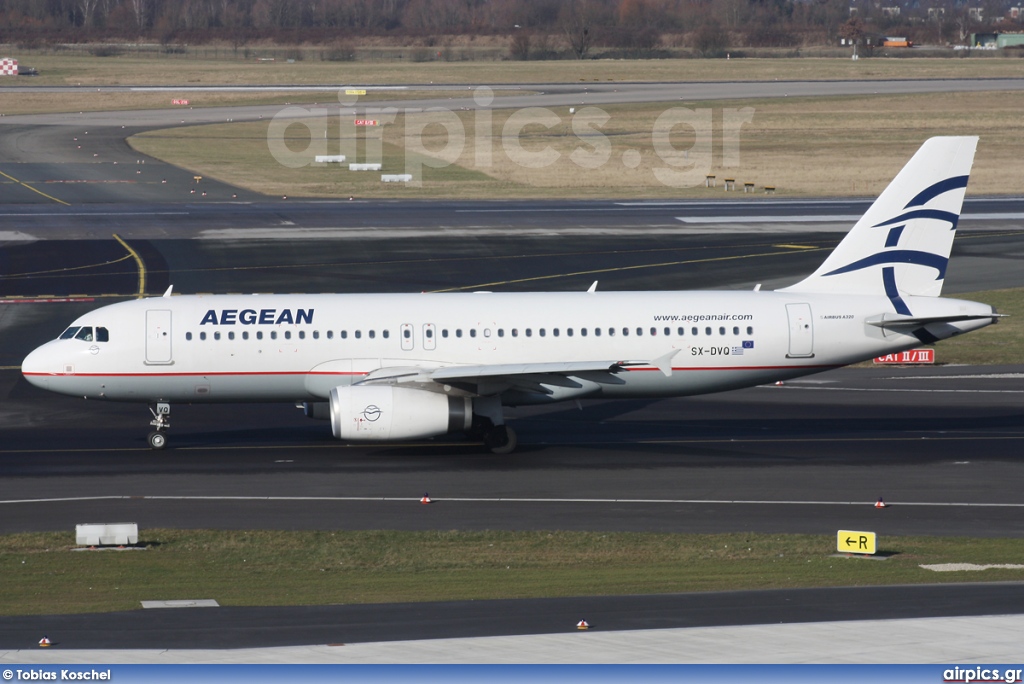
{"points": [[532, 377]]}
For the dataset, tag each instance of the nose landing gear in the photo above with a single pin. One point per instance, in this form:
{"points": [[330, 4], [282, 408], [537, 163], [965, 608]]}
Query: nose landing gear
{"points": [[157, 439]]}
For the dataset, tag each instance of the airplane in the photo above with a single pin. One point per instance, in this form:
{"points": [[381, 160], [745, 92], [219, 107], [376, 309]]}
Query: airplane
{"points": [[385, 367]]}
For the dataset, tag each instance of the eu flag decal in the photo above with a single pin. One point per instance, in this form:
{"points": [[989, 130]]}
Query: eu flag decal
{"points": [[748, 344]]}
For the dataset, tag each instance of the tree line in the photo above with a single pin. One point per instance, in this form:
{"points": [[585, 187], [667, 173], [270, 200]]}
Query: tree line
{"points": [[531, 26]]}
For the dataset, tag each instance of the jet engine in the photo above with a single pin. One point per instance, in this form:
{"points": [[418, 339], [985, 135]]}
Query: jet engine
{"points": [[385, 412]]}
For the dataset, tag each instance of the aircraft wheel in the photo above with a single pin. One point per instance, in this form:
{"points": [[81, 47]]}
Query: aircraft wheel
{"points": [[157, 440], [501, 440]]}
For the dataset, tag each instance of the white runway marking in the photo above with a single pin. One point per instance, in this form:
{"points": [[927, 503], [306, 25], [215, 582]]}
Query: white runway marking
{"points": [[829, 218], [888, 389], [518, 500]]}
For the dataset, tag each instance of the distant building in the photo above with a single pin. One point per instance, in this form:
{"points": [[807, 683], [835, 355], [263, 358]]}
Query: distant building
{"points": [[996, 40]]}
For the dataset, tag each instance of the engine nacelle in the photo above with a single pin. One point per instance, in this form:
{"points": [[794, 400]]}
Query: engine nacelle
{"points": [[385, 412]]}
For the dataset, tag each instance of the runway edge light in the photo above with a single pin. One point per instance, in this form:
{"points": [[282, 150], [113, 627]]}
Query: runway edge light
{"points": [[861, 543]]}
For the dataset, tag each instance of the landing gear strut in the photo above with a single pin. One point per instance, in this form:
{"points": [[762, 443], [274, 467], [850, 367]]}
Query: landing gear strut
{"points": [[157, 439]]}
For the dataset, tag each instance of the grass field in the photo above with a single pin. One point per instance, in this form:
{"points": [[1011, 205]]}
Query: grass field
{"points": [[42, 576], [129, 70], [998, 344], [801, 146]]}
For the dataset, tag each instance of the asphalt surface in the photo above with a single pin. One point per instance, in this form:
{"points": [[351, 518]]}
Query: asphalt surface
{"points": [[941, 445], [223, 628]]}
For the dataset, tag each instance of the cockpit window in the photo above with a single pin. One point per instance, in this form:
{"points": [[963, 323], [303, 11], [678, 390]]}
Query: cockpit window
{"points": [[69, 333], [84, 333], [102, 335]]}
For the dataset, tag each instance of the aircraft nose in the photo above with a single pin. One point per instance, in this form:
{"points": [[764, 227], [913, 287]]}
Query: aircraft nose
{"points": [[39, 366]]}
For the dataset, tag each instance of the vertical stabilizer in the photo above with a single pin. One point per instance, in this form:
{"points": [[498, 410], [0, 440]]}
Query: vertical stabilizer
{"points": [[901, 245]]}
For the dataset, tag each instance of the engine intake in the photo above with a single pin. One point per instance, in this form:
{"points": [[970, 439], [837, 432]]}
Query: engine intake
{"points": [[385, 412]]}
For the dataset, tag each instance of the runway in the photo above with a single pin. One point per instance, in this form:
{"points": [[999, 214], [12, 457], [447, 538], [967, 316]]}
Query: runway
{"points": [[941, 445]]}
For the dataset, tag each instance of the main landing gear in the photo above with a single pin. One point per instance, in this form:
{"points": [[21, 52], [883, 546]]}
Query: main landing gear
{"points": [[500, 439], [489, 424], [157, 439]]}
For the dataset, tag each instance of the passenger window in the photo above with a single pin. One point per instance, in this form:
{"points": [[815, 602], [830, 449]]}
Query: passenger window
{"points": [[273, 334], [359, 334], [316, 334], [84, 334], [555, 332], [407, 333], [373, 334], [287, 334], [583, 332], [330, 334], [736, 330], [245, 334], [430, 333], [654, 331], [102, 335], [597, 332], [259, 334], [750, 331], [231, 335], [458, 332], [202, 336], [344, 334], [707, 330], [188, 336], [501, 332], [543, 332], [487, 332], [721, 331], [444, 333], [69, 334], [216, 335], [681, 331], [529, 332], [302, 334], [386, 334], [693, 330], [568, 332], [515, 332], [472, 332], [611, 332]]}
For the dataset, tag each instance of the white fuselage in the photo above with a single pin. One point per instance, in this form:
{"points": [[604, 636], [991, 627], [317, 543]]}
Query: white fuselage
{"points": [[244, 348]]}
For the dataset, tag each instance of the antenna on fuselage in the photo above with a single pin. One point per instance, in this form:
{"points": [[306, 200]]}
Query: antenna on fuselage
{"points": [[593, 288], [167, 293]]}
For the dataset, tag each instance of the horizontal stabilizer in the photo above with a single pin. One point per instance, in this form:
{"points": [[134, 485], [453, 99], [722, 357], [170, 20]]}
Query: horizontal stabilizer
{"points": [[891, 321]]}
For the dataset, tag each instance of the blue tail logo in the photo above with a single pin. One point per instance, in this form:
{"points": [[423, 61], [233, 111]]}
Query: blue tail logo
{"points": [[896, 225]]}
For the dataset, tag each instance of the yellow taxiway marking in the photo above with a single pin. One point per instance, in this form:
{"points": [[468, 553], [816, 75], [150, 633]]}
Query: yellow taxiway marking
{"points": [[616, 269], [796, 246], [138, 260], [38, 192], [28, 274]]}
